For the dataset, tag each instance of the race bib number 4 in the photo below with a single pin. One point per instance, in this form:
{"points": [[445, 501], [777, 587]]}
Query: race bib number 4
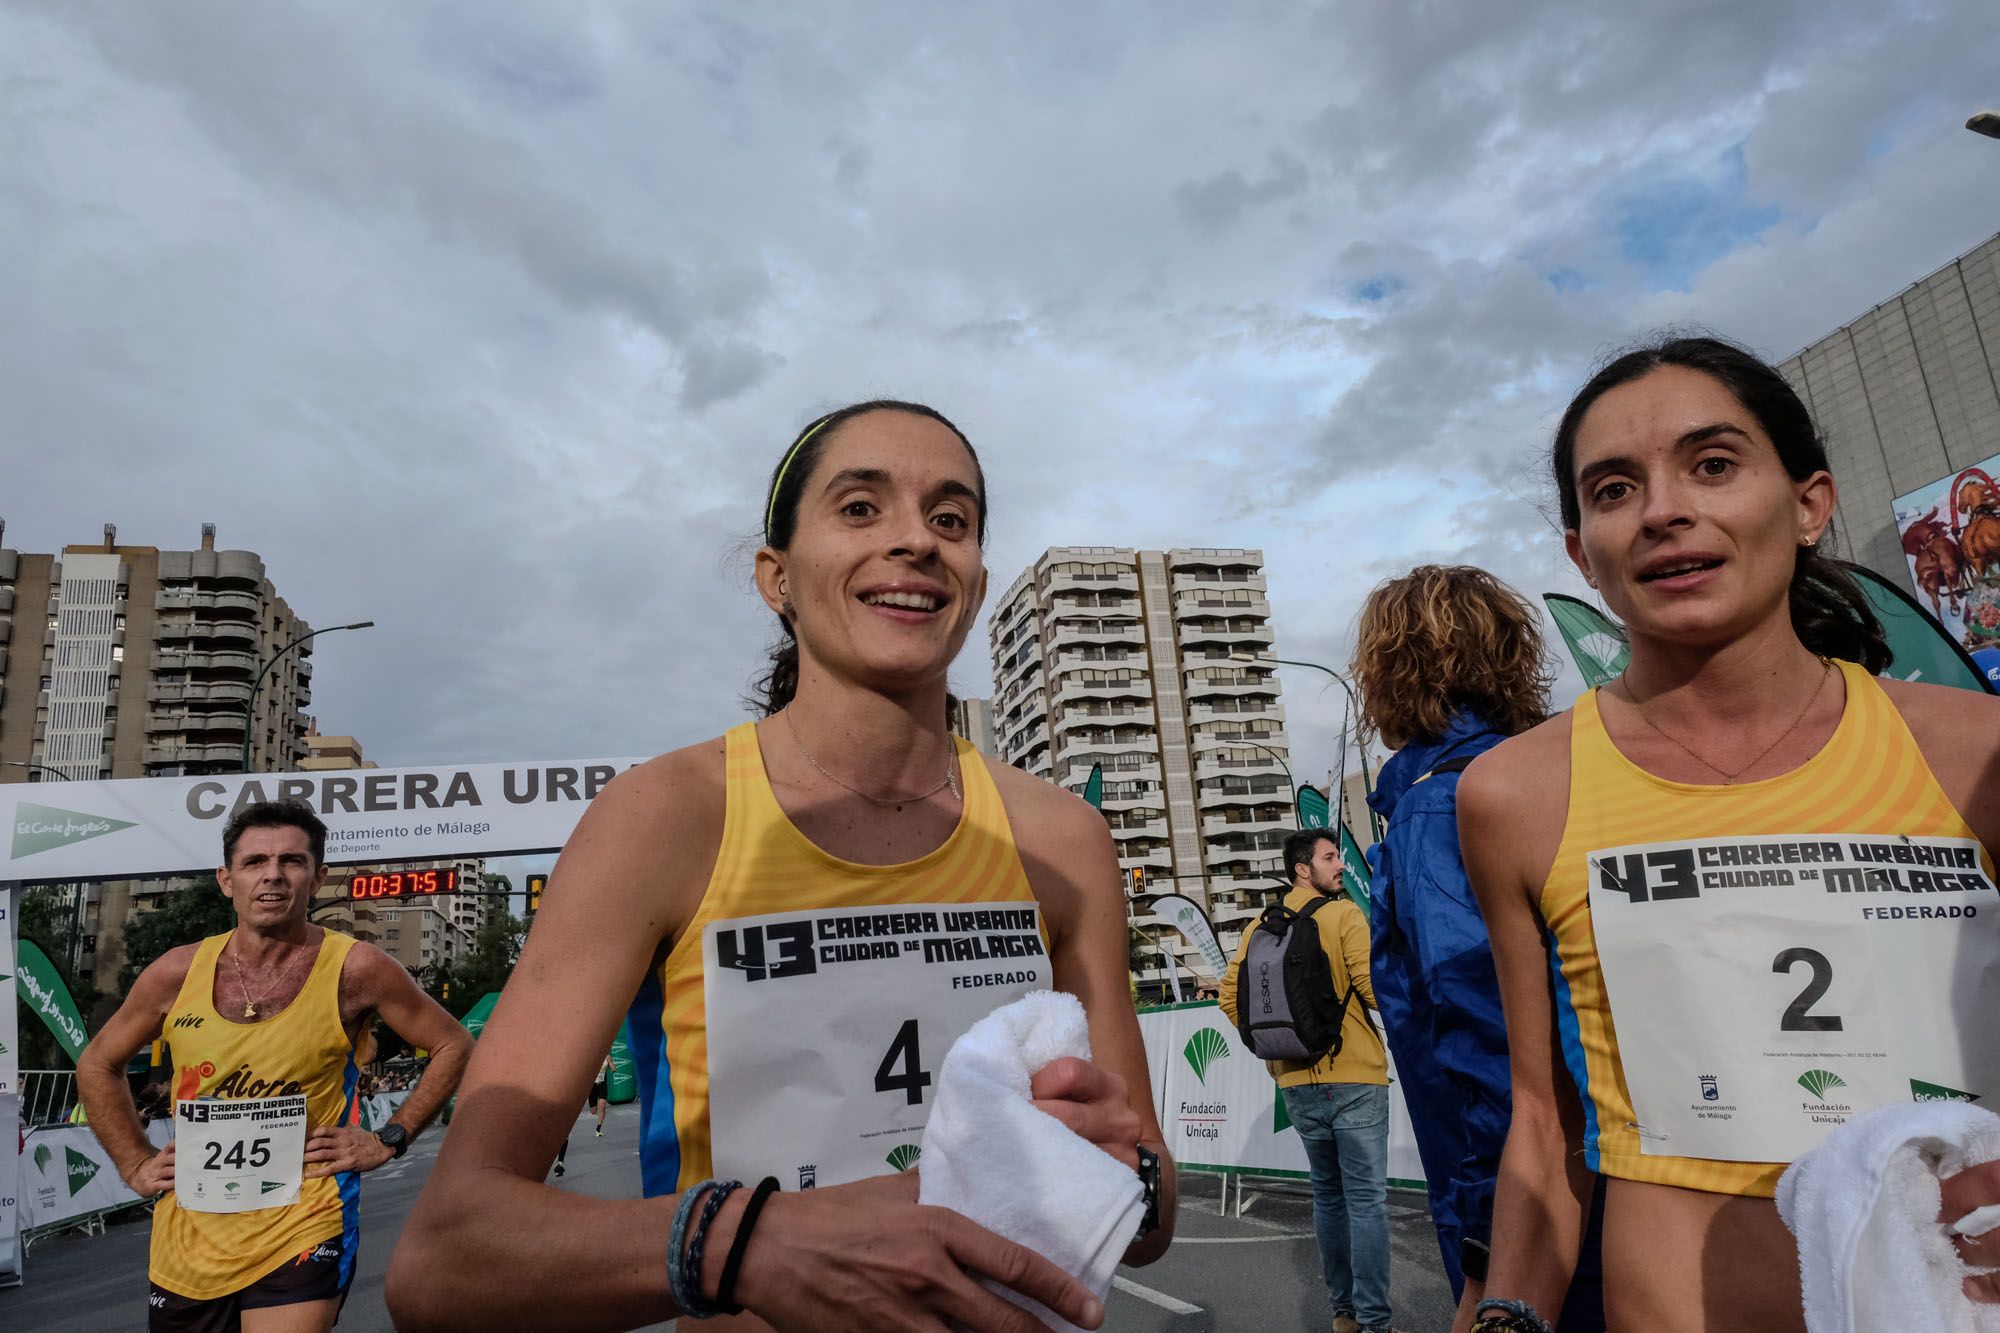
{"points": [[826, 1028], [238, 1154], [1765, 990]]}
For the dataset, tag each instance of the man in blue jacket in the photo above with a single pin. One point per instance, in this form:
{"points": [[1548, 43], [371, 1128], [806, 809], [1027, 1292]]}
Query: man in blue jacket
{"points": [[1449, 663]]}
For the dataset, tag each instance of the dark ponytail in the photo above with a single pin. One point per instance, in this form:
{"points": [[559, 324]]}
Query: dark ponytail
{"points": [[1830, 614], [780, 681]]}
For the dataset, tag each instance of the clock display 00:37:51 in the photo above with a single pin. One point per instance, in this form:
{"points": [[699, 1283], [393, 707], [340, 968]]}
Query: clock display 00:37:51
{"points": [[403, 883]]}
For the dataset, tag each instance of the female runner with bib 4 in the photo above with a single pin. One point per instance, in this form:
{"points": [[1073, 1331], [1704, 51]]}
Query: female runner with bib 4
{"points": [[809, 911], [1680, 874]]}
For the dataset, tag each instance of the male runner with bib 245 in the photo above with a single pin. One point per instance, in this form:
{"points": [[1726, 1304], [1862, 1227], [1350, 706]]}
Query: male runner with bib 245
{"points": [[809, 910], [259, 1222]]}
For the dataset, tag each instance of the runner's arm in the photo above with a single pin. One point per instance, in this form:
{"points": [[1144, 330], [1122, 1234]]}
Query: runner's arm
{"points": [[100, 1069], [863, 1255], [1543, 1190], [1072, 864], [386, 986], [1353, 929]]}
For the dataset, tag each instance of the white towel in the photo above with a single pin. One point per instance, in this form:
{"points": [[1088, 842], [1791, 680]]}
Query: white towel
{"points": [[1873, 1258], [991, 1155]]}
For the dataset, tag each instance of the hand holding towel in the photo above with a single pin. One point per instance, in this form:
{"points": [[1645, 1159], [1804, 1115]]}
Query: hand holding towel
{"points": [[992, 1155], [1873, 1258]]}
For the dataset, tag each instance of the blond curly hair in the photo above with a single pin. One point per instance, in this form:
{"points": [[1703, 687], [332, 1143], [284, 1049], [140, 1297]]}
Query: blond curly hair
{"points": [[1446, 637]]}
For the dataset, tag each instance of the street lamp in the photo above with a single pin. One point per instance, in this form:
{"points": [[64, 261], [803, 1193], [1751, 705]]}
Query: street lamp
{"points": [[60, 776], [1986, 123], [250, 704], [1353, 708]]}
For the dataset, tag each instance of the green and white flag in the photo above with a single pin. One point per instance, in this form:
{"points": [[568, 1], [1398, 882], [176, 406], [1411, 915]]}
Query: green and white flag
{"points": [[1093, 790], [41, 987], [1314, 811], [1595, 641], [1355, 874]]}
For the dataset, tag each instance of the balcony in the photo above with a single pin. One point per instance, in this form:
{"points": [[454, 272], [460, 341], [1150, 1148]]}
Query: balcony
{"points": [[1153, 858], [193, 754], [1072, 633], [236, 605], [1147, 744], [1096, 581], [1151, 828], [1237, 710], [1213, 581], [174, 630], [1216, 826], [1216, 603], [1073, 690], [227, 634], [1070, 608], [1229, 687], [1209, 797], [1211, 765], [1236, 636]]}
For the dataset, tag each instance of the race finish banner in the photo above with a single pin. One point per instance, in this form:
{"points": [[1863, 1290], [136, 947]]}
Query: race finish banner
{"points": [[1768, 989], [162, 826]]}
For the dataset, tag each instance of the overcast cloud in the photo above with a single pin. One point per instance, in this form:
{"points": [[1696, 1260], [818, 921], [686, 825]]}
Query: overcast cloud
{"points": [[488, 322]]}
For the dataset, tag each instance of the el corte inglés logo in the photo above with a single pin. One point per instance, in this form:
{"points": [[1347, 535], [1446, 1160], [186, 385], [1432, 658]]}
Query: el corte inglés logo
{"points": [[1921, 1091], [38, 828], [81, 1169], [1203, 1049]]}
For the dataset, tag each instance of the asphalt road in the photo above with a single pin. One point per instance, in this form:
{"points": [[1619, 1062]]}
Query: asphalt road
{"points": [[1258, 1271]]}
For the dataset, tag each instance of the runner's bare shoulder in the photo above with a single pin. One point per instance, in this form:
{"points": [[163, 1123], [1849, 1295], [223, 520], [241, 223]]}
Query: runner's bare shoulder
{"points": [[1519, 791]]}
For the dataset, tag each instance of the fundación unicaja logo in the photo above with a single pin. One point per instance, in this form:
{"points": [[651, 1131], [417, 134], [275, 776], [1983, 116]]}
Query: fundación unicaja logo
{"points": [[1817, 1081], [1203, 1049], [904, 1156], [39, 828]]}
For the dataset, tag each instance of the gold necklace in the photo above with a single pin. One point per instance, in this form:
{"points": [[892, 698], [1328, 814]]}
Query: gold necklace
{"points": [[249, 1004], [1728, 778], [950, 775]]}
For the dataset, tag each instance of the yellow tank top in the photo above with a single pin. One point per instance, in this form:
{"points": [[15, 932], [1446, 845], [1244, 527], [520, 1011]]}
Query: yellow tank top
{"points": [[765, 865], [1868, 778], [301, 1049]]}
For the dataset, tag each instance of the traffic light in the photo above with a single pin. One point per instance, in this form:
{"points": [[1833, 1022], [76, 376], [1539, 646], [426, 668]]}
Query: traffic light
{"points": [[536, 883], [1138, 881], [447, 990]]}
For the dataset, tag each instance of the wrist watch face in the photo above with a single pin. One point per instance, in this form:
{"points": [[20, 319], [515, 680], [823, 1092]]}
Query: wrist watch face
{"points": [[393, 1137]]}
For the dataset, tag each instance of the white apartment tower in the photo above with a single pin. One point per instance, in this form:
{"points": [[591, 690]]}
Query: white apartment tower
{"points": [[1140, 661]]}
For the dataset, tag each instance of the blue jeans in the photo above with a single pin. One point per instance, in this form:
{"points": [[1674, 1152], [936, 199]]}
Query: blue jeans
{"points": [[1345, 1127]]}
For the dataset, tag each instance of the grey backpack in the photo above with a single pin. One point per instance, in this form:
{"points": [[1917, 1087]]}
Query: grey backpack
{"points": [[1286, 1005]]}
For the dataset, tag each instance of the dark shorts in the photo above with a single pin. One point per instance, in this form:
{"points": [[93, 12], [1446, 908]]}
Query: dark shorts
{"points": [[321, 1273], [600, 1093]]}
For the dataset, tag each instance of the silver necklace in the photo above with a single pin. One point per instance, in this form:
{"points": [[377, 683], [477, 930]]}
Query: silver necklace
{"points": [[950, 774], [249, 1004], [1728, 778]]}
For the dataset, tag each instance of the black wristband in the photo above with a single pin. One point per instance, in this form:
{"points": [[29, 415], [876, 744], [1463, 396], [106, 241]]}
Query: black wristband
{"points": [[725, 1290]]}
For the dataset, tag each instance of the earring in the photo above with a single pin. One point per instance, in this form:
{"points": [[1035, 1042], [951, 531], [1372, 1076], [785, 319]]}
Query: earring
{"points": [[784, 588], [1809, 542]]}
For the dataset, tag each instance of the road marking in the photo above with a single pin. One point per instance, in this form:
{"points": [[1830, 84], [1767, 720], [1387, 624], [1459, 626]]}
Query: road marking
{"points": [[1241, 1240], [1171, 1304]]}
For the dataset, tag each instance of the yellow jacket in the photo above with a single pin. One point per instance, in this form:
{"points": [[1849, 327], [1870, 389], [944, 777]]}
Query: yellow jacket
{"points": [[1343, 933]]}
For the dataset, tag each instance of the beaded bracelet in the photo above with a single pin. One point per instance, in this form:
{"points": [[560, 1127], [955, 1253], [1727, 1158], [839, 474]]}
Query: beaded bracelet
{"points": [[676, 1273], [1516, 1317], [698, 1306]]}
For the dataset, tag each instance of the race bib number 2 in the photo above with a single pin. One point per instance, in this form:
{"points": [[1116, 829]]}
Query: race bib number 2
{"points": [[1766, 990], [826, 1028], [238, 1154]]}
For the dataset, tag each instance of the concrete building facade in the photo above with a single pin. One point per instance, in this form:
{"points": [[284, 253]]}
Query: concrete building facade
{"points": [[1144, 662], [973, 719], [121, 661], [1908, 393]]}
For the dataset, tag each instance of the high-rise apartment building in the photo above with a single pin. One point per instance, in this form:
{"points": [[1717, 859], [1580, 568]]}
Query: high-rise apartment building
{"points": [[1907, 394], [1144, 662], [973, 719], [129, 661]]}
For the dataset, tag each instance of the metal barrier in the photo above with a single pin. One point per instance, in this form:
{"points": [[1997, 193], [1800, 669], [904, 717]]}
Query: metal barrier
{"points": [[47, 1096]]}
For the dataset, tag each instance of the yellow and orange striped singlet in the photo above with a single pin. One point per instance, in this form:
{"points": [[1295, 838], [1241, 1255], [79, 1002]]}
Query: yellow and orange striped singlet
{"points": [[301, 1049], [1868, 778], [766, 866]]}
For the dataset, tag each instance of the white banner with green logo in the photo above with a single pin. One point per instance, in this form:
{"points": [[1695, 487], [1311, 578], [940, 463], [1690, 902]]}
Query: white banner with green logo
{"points": [[162, 826], [1220, 1107], [65, 1174]]}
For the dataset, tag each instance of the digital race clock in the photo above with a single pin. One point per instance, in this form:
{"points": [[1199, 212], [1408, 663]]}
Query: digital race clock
{"points": [[368, 885]]}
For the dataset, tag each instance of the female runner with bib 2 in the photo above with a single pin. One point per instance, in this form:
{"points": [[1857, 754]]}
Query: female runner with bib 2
{"points": [[809, 911], [1658, 866]]}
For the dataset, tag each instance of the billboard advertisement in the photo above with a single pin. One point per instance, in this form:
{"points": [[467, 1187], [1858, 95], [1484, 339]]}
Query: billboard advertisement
{"points": [[1950, 531]]}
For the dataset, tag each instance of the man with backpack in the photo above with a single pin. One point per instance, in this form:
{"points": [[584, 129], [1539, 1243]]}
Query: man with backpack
{"points": [[1298, 991]]}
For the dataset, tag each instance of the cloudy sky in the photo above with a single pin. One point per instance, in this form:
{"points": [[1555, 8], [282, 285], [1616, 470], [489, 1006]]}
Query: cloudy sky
{"points": [[487, 322]]}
